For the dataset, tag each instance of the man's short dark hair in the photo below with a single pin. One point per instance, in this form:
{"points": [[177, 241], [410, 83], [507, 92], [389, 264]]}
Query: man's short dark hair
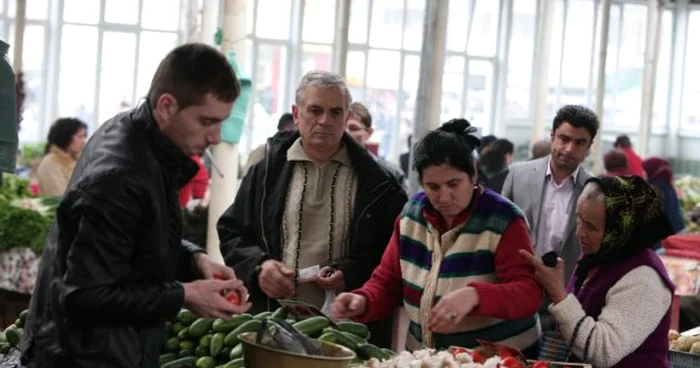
{"points": [[623, 141], [361, 113], [191, 71], [285, 119], [486, 142], [578, 116]]}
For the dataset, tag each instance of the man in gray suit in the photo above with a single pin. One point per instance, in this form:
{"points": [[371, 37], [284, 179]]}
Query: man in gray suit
{"points": [[547, 189]]}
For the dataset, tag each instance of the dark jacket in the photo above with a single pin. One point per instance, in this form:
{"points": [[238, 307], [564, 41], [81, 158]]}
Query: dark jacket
{"points": [[250, 230], [107, 278]]}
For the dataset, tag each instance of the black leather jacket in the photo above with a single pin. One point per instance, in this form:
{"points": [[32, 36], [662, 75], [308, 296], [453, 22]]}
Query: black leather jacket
{"points": [[107, 278], [250, 230]]}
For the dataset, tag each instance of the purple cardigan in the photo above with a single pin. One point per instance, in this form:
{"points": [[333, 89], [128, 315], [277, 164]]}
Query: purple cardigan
{"points": [[654, 350]]}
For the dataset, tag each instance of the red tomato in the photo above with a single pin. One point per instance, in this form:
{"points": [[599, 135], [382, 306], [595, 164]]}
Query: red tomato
{"points": [[540, 364], [233, 298], [478, 356], [506, 353], [456, 351], [511, 362]]}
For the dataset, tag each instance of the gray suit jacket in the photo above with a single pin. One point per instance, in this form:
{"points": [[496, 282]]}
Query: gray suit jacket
{"points": [[524, 186]]}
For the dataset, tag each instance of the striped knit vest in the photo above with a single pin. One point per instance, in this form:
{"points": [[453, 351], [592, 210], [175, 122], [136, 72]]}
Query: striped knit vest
{"points": [[433, 265]]}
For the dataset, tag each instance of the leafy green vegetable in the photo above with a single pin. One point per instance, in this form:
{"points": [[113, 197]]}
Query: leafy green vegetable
{"points": [[20, 227]]}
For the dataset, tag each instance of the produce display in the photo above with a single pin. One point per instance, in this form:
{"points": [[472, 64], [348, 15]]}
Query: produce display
{"points": [[686, 344], [456, 358], [210, 343], [688, 189], [12, 335]]}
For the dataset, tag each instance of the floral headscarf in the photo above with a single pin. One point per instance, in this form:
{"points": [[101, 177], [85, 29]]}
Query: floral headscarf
{"points": [[635, 219]]}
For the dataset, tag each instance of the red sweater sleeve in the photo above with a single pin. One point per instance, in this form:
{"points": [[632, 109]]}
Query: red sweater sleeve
{"points": [[383, 290], [517, 295]]}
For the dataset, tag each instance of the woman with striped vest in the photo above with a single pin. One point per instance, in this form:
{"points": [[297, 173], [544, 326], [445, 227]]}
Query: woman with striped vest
{"points": [[453, 260]]}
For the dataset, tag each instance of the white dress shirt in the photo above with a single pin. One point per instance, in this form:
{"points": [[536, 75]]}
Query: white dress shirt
{"points": [[554, 212]]}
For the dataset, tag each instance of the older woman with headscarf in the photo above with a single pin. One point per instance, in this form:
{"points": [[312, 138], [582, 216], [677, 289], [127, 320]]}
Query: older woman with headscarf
{"points": [[660, 175], [616, 310]]}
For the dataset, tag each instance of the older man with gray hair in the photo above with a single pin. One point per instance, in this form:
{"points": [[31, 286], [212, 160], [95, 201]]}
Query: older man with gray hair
{"points": [[314, 217]]}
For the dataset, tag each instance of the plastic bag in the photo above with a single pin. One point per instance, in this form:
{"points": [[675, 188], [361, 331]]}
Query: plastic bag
{"points": [[330, 297], [11, 360], [281, 335]]}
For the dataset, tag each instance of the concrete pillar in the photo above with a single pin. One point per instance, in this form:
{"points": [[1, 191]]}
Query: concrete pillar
{"points": [[651, 58], [342, 26], [210, 21], [432, 64], [541, 70], [597, 151], [20, 18], [223, 189]]}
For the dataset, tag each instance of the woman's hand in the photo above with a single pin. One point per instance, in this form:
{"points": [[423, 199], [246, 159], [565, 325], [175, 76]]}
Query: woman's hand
{"points": [[551, 279], [348, 305], [450, 311]]}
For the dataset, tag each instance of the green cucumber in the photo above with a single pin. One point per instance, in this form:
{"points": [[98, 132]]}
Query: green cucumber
{"points": [[180, 363], [217, 343], [312, 326], [232, 338], [221, 325], [186, 317], [357, 329], [200, 327]]}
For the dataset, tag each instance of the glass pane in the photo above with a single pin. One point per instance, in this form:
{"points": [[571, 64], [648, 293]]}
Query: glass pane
{"points": [[577, 50], [122, 11], [484, 29], [153, 46], [411, 70], [161, 15], [273, 24], [413, 31], [76, 86], [359, 14], [81, 11], [611, 63], [355, 74], [2, 7], [691, 107], [382, 95], [319, 21], [663, 72], [630, 66], [270, 89], [479, 93], [457, 19], [387, 23], [2, 31], [117, 74], [521, 50], [316, 57], [555, 58], [32, 66], [36, 9], [452, 83]]}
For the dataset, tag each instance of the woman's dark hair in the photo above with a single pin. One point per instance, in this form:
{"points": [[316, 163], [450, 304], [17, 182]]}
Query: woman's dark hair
{"points": [[494, 160], [62, 132], [453, 144], [615, 161]]}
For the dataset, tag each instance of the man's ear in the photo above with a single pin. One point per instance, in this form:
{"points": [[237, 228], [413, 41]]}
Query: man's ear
{"points": [[166, 107], [295, 114], [370, 131]]}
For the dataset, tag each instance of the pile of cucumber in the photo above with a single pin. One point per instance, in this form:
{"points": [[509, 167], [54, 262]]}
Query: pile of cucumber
{"points": [[213, 343], [13, 334]]}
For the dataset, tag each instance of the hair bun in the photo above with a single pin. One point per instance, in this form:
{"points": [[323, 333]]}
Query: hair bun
{"points": [[464, 128]]}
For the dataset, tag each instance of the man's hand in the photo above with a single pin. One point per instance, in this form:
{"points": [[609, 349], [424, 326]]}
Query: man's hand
{"points": [[207, 268], [331, 279], [276, 280], [205, 298]]}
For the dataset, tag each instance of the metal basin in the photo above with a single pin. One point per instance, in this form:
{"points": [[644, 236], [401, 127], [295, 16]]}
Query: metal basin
{"points": [[258, 356]]}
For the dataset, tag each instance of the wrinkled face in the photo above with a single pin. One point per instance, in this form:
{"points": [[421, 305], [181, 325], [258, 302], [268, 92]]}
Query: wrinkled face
{"points": [[570, 146], [195, 127], [449, 189], [77, 143], [358, 131], [590, 225], [321, 117]]}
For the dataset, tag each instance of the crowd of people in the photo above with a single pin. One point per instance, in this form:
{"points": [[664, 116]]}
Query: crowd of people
{"points": [[528, 254]]}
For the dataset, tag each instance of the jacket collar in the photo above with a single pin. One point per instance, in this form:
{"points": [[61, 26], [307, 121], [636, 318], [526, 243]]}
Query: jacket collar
{"points": [[171, 159], [372, 172]]}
